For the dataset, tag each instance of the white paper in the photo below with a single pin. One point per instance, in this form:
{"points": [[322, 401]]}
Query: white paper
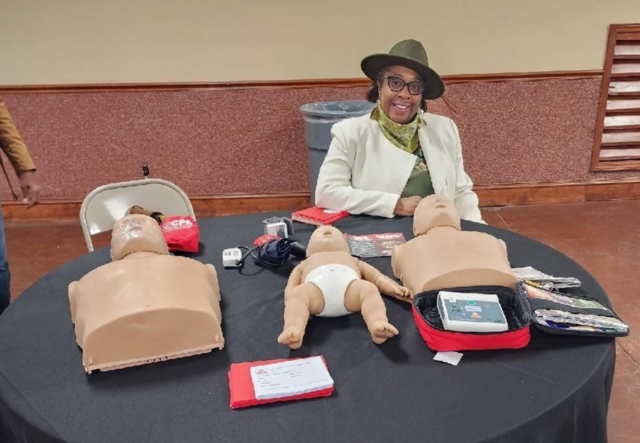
{"points": [[453, 358], [289, 378], [530, 273], [547, 281]]}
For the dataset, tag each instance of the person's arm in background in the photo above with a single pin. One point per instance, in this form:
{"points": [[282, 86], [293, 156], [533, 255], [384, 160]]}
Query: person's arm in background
{"points": [[466, 201], [334, 190], [18, 154]]}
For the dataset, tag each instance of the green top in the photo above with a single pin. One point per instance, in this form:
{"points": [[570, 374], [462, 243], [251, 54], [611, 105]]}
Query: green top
{"points": [[419, 182], [405, 137]]}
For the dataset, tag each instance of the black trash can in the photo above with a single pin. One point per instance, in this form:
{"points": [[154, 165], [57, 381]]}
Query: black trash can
{"points": [[319, 117]]}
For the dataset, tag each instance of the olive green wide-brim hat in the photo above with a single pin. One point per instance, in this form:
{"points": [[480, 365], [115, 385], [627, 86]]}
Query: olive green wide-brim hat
{"points": [[410, 54]]}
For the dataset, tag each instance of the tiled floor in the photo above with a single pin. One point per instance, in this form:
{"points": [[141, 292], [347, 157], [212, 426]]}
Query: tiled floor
{"points": [[604, 237]]}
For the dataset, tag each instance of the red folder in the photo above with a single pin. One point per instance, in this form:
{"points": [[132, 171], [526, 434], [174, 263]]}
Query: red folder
{"points": [[318, 216], [241, 386]]}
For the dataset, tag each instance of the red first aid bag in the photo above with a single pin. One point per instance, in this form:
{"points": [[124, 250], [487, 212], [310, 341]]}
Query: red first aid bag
{"points": [[181, 233]]}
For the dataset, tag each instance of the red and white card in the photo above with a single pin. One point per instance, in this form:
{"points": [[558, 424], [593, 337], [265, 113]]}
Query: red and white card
{"points": [[261, 382]]}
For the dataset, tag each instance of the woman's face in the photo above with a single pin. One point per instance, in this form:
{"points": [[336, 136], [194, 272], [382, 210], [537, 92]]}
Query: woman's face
{"points": [[400, 106]]}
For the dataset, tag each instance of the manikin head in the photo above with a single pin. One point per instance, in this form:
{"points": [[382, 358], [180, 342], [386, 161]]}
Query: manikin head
{"points": [[137, 233], [435, 211], [327, 239]]}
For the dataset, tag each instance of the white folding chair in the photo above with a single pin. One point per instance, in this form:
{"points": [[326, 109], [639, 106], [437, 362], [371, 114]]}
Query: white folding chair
{"points": [[109, 203]]}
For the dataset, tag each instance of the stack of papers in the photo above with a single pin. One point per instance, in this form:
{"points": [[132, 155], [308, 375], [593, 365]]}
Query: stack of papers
{"points": [[580, 322], [545, 281], [260, 382], [576, 302], [289, 378]]}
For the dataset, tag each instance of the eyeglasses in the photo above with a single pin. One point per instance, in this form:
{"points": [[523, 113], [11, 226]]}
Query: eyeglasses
{"points": [[396, 84]]}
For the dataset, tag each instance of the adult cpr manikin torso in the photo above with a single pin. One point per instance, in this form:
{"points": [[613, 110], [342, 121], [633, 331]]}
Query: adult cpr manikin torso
{"points": [[441, 256], [145, 305]]}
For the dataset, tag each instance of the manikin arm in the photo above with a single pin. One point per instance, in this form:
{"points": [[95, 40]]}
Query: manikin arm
{"points": [[295, 279], [384, 284]]}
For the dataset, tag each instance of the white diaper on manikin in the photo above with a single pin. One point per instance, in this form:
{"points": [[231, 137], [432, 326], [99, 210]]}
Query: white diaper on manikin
{"points": [[332, 280]]}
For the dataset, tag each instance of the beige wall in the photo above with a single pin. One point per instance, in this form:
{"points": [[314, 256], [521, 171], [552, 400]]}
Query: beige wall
{"points": [[121, 41]]}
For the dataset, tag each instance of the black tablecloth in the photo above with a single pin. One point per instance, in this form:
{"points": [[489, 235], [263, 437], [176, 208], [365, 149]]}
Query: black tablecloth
{"points": [[555, 390]]}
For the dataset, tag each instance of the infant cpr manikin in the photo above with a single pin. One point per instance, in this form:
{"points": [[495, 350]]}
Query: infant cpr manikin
{"points": [[146, 305], [331, 283]]}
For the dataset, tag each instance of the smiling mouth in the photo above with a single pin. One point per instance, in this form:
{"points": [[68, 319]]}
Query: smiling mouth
{"points": [[401, 108], [441, 206]]}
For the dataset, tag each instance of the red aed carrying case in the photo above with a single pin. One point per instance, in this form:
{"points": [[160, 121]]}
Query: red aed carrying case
{"points": [[518, 310]]}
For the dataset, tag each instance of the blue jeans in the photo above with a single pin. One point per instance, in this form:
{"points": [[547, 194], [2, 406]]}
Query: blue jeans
{"points": [[5, 277]]}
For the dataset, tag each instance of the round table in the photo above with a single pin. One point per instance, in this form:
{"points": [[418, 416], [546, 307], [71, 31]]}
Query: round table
{"points": [[555, 390]]}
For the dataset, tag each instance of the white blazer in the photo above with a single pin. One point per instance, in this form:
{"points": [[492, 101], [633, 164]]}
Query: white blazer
{"points": [[364, 173]]}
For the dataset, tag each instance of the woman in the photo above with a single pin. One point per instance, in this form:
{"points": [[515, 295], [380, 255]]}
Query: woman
{"points": [[384, 163]]}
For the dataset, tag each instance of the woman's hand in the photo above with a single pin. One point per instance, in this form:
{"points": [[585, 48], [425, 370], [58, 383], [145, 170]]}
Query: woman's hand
{"points": [[407, 206]]}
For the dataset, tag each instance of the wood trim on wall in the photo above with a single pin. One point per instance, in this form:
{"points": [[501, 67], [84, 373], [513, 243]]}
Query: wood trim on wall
{"points": [[522, 76], [626, 165], [290, 84], [549, 193], [210, 206], [219, 205], [203, 206]]}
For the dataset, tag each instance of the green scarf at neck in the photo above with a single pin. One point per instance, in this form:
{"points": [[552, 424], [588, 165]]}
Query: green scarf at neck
{"points": [[404, 136]]}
